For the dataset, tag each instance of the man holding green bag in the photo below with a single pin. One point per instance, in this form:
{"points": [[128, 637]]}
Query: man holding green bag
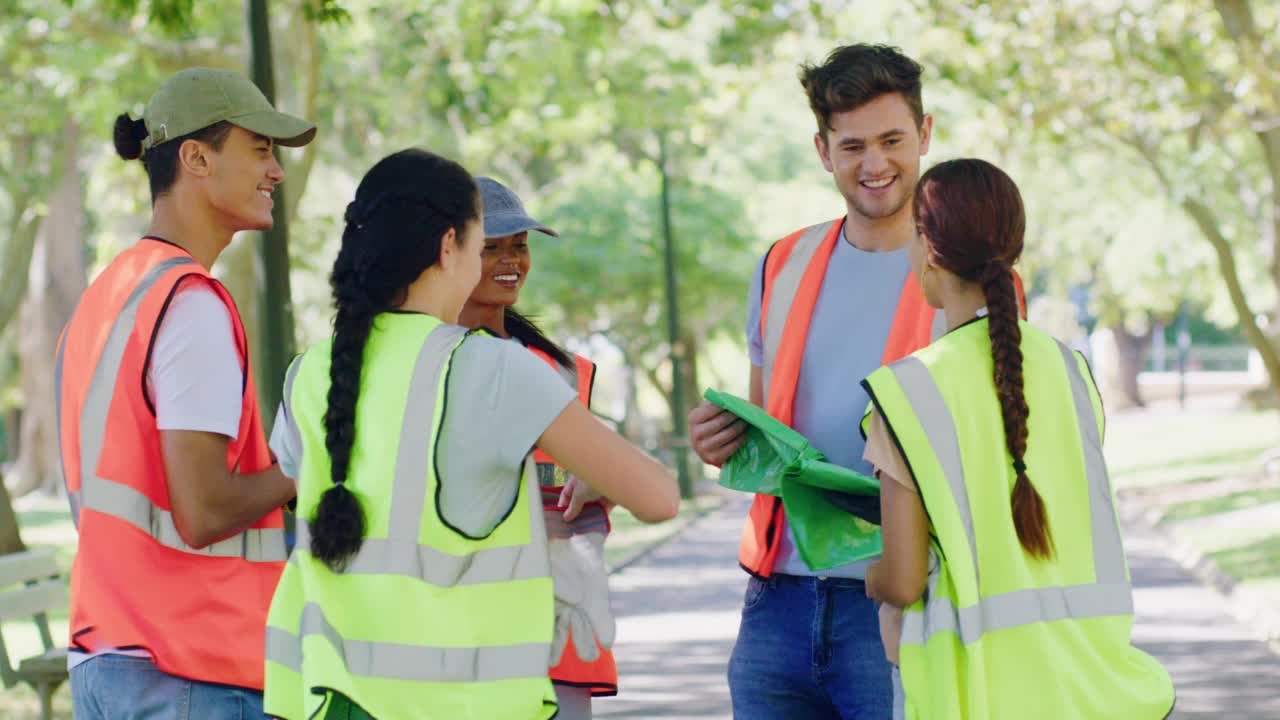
{"points": [[828, 305]]}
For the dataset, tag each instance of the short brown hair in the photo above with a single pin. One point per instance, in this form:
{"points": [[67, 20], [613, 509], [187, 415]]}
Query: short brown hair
{"points": [[854, 75]]}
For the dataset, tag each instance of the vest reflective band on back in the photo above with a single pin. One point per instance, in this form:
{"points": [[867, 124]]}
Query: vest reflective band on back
{"points": [[385, 556], [1109, 595], [395, 661], [440, 578], [124, 502]]}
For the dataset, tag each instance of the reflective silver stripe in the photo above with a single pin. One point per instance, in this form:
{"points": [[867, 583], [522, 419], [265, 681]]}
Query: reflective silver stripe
{"points": [[782, 292], [396, 661], [939, 325], [931, 410], [416, 453], [1015, 609], [1108, 551], [283, 647], [93, 414], [383, 556], [72, 497], [291, 426], [124, 502], [1110, 595]]}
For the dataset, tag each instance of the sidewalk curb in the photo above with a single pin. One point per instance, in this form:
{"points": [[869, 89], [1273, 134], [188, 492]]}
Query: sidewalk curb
{"points": [[1248, 607], [643, 552]]}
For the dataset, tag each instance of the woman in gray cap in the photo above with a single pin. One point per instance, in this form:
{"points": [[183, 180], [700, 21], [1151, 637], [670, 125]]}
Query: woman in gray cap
{"points": [[577, 519]]}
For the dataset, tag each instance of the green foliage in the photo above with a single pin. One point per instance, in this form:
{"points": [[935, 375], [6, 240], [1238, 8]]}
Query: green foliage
{"points": [[605, 274]]}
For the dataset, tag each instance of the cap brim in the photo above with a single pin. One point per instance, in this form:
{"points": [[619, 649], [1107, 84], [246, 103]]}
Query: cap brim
{"points": [[283, 128], [505, 224]]}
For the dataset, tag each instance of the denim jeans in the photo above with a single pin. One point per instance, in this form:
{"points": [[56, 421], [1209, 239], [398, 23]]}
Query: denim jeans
{"points": [[809, 648], [119, 687]]}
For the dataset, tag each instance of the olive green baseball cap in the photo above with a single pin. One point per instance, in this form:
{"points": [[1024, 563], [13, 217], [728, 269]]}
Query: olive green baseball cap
{"points": [[195, 98]]}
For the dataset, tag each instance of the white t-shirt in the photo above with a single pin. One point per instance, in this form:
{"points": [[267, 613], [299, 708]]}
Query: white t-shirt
{"points": [[196, 377], [195, 380]]}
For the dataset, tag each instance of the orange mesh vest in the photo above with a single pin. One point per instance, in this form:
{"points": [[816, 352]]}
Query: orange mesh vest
{"points": [[793, 272], [135, 584], [601, 676]]}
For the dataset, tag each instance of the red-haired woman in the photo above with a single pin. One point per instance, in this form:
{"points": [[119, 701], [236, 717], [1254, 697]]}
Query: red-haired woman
{"points": [[1005, 588]]}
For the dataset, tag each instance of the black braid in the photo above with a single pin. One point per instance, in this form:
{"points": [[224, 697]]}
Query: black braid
{"points": [[527, 331], [404, 206]]}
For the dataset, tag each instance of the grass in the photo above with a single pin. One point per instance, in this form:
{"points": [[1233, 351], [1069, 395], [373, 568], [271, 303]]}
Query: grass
{"points": [[1219, 504], [1201, 475], [1163, 449]]}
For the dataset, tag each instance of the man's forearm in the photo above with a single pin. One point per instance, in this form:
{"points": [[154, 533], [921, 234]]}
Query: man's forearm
{"points": [[246, 499]]}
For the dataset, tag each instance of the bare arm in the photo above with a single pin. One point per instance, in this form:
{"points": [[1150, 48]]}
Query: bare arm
{"points": [[209, 503], [609, 464], [899, 577]]}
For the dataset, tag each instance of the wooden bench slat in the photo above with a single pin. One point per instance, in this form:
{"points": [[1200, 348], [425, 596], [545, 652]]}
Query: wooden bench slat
{"points": [[32, 600], [27, 565]]}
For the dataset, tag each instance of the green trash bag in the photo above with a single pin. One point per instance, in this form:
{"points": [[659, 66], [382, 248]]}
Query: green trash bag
{"points": [[833, 511]]}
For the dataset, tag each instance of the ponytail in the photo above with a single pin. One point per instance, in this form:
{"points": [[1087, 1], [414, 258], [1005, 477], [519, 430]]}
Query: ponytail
{"points": [[128, 135], [526, 331], [1029, 519]]}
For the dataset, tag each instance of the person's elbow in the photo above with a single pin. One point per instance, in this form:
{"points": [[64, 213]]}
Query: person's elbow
{"points": [[197, 529], [902, 590], [664, 506]]}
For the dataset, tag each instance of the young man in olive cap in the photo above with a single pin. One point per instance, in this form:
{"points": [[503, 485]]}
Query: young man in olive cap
{"points": [[171, 484]]}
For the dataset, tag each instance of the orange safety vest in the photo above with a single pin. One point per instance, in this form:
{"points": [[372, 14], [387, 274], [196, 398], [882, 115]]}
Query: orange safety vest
{"points": [[793, 272], [134, 583], [600, 676]]}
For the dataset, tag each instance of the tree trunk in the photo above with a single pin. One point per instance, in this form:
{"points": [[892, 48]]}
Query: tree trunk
{"points": [[1118, 357], [57, 280], [237, 270], [277, 344], [10, 538]]}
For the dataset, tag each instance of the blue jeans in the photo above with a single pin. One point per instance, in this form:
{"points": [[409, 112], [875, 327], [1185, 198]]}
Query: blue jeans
{"points": [[809, 648], [119, 687]]}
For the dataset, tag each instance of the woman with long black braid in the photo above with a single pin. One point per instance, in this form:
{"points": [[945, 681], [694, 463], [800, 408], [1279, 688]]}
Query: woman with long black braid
{"points": [[1003, 578], [415, 589]]}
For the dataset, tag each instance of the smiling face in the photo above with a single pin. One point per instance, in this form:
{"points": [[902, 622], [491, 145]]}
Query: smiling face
{"points": [[874, 152], [505, 264], [241, 179]]}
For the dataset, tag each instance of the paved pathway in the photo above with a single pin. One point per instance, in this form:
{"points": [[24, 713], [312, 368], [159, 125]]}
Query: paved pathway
{"points": [[678, 614]]}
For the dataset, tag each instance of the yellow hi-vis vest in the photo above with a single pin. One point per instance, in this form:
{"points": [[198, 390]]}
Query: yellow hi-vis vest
{"points": [[999, 634], [424, 622]]}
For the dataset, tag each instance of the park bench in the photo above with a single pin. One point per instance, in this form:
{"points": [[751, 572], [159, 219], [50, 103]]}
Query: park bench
{"points": [[29, 588]]}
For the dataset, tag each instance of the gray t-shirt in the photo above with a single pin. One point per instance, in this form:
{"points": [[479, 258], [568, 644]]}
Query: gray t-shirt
{"points": [[501, 399], [847, 335]]}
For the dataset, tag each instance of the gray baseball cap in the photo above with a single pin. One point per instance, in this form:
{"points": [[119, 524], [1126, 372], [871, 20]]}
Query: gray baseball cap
{"points": [[504, 214]]}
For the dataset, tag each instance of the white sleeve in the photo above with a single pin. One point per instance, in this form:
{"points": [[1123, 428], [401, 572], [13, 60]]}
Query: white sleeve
{"points": [[195, 376], [286, 442]]}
